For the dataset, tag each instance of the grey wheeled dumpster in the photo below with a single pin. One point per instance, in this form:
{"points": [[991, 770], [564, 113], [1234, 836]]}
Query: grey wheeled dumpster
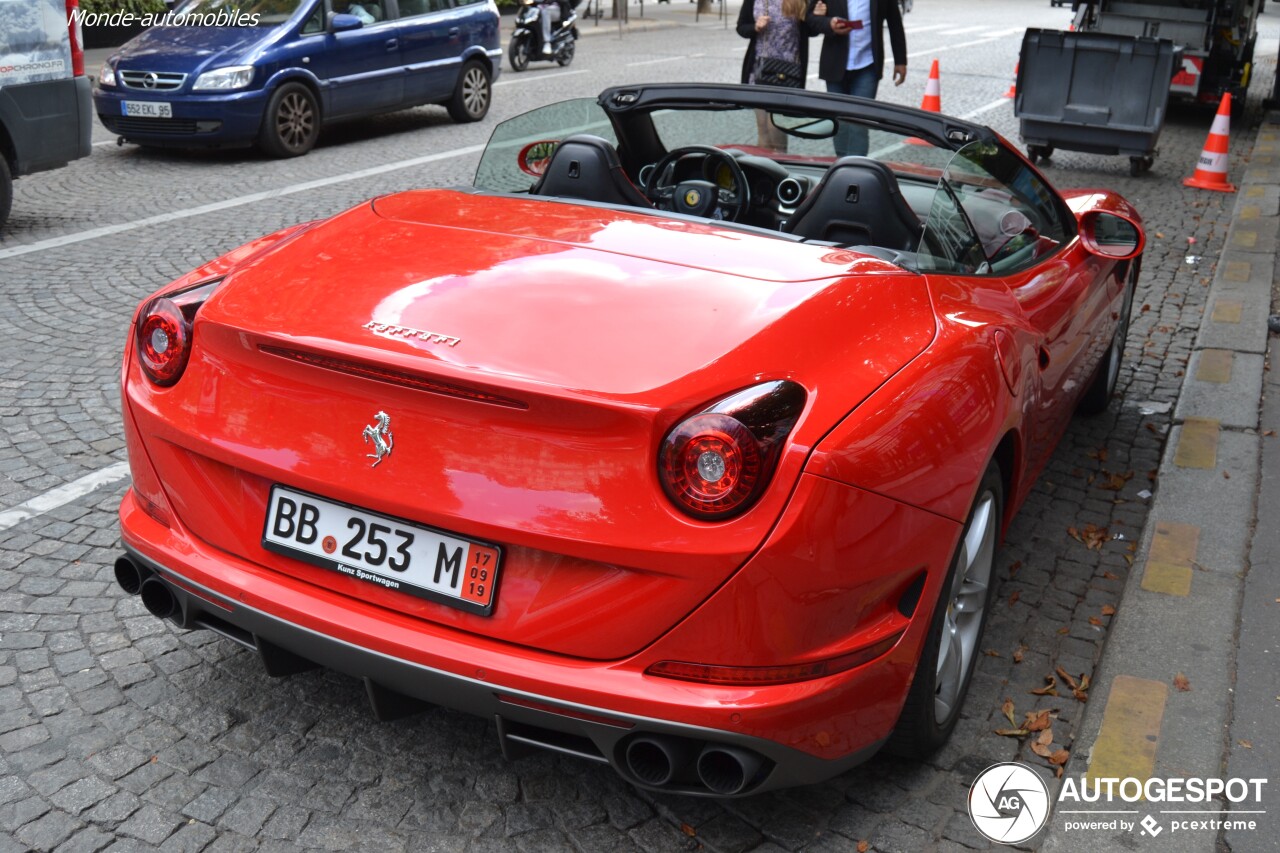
{"points": [[1093, 92]]}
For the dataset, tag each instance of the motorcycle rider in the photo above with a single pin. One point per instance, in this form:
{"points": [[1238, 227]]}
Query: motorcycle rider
{"points": [[553, 12]]}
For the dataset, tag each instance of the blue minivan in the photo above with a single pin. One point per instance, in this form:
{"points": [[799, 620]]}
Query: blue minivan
{"points": [[271, 72]]}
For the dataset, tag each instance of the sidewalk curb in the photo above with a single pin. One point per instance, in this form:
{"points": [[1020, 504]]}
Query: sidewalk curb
{"points": [[1179, 612]]}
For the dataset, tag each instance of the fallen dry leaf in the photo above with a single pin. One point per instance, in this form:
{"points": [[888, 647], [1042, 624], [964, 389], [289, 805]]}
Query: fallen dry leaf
{"points": [[1040, 749], [1048, 690], [1111, 576], [1115, 482], [1017, 654], [1247, 744], [1014, 566], [992, 653], [1095, 621], [1037, 721], [1059, 758], [864, 846], [1180, 682], [1046, 737], [1012, 732], [1108, 610], [1067, 679], [1014, 596], [1007, 710], [688, 830], [1064, 630]]}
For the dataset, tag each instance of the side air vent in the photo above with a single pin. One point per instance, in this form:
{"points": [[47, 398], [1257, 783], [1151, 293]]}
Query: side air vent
{"points": [[790, 191]]}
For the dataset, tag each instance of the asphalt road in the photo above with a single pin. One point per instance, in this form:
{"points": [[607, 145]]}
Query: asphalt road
{"points": [[118, 732]]}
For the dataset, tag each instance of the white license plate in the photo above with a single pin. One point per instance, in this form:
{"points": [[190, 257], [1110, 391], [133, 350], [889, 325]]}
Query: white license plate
{"points": [[377, 549], [147, 109]]}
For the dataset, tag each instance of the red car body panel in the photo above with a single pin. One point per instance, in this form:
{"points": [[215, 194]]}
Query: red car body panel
{"points": [[534, 356], [599, 398]]}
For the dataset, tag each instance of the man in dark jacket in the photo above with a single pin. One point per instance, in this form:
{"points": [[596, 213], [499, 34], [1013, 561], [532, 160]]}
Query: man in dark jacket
{"points": [[852, 58]]}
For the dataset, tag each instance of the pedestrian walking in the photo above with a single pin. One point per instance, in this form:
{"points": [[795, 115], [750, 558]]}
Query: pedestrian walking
{"points": [[852, 57], [777, 55]]}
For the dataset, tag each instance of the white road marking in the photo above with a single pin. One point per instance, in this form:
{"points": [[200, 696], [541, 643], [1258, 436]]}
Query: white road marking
{"points": [[238, 201], [962, 45], [63, 494], [506, 81], [963, 30], [656, 61], [913, 30]]}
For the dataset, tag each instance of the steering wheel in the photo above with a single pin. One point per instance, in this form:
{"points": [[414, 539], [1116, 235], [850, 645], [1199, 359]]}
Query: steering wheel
{"points": [[700, 198]]}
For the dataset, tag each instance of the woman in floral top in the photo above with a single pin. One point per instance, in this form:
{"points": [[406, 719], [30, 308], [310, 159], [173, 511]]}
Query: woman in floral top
{"points": [[776, 31]]}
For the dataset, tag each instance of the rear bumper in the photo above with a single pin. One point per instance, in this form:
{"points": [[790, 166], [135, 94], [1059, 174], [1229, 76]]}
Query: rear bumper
{"points": [[525, 719], [49, 122]]}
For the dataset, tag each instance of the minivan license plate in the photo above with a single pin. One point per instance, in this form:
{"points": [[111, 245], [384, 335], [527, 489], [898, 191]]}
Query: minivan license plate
{"points": [[147, 109], [378, 549]]}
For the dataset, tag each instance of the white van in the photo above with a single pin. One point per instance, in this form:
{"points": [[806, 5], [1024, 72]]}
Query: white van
{"points": [[46, 107]]}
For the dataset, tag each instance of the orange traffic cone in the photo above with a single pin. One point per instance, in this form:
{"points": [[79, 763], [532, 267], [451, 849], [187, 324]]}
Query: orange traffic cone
{"points": [[932, 91], [1211, 168], [1013, 87], [932, 102]]}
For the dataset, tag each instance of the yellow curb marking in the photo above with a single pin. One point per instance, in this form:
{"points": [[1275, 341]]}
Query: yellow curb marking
{"points": [[1173, 551], [1238, 271], [1198, 444], [1215, 366], [1130, 733], [1250, 211], [1228, 311], [1245, 239]]}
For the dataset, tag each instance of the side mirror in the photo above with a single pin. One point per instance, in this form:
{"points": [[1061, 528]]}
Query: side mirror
{"points": [[1111, 235], [341, 23]]}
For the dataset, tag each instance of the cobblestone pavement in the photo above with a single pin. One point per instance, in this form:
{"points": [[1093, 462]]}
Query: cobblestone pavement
{"points": [[118, 732]]}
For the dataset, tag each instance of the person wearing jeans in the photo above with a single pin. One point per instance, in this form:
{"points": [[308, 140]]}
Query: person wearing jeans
{"points": [[852, 58]]}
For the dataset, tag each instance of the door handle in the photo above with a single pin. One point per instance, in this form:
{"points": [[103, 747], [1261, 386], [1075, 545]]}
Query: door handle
{"points": [[453, 32], [392, 44]]}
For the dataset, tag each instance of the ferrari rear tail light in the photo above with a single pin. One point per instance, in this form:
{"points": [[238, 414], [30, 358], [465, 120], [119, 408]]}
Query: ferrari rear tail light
{"points": [[716, 463], [163, 332]]}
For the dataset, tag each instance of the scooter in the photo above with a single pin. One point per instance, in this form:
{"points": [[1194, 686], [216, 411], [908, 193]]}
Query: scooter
{"points": [[526, 41]]}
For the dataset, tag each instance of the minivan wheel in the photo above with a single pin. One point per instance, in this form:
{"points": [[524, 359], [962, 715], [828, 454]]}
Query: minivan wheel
{"points": [[6, 191], [291, 124], [471, 96]]}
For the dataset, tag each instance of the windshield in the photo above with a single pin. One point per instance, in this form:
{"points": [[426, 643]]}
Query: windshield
{"points": [[243, 13], [825, 176]]}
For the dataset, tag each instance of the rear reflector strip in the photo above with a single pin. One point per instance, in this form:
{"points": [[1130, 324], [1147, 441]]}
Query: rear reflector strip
{"points": [[391, 376]]}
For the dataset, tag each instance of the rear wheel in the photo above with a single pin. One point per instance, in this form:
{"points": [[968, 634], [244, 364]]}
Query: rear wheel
{"points": [[1103, 385], [291, 124], [518, 52], [472, 94], [955, 632], [564, 56], [6, 191]]}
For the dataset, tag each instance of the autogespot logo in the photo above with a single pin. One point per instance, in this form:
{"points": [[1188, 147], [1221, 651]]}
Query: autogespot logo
{"points": [[1008, 802]]}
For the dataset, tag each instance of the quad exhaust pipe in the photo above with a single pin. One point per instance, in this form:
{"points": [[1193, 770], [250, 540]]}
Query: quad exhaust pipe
{"points": [[724, 770], [156, 595], [130, 576], [158, 599]]}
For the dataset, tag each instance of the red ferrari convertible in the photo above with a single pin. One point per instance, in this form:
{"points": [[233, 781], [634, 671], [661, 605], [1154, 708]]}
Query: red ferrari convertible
{"points": [[682, 441]]}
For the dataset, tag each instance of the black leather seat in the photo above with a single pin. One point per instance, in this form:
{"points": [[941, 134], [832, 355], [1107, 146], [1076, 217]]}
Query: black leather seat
{"points": [[858, 203], [587, 167]]}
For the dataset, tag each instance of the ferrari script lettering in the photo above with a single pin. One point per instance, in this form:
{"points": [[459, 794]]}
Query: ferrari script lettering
{"points": [[391, 330]]}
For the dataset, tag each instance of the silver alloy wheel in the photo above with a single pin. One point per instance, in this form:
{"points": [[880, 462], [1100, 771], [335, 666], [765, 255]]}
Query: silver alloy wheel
{"points": [[295, 120], [966, 606], [475, 91]]}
